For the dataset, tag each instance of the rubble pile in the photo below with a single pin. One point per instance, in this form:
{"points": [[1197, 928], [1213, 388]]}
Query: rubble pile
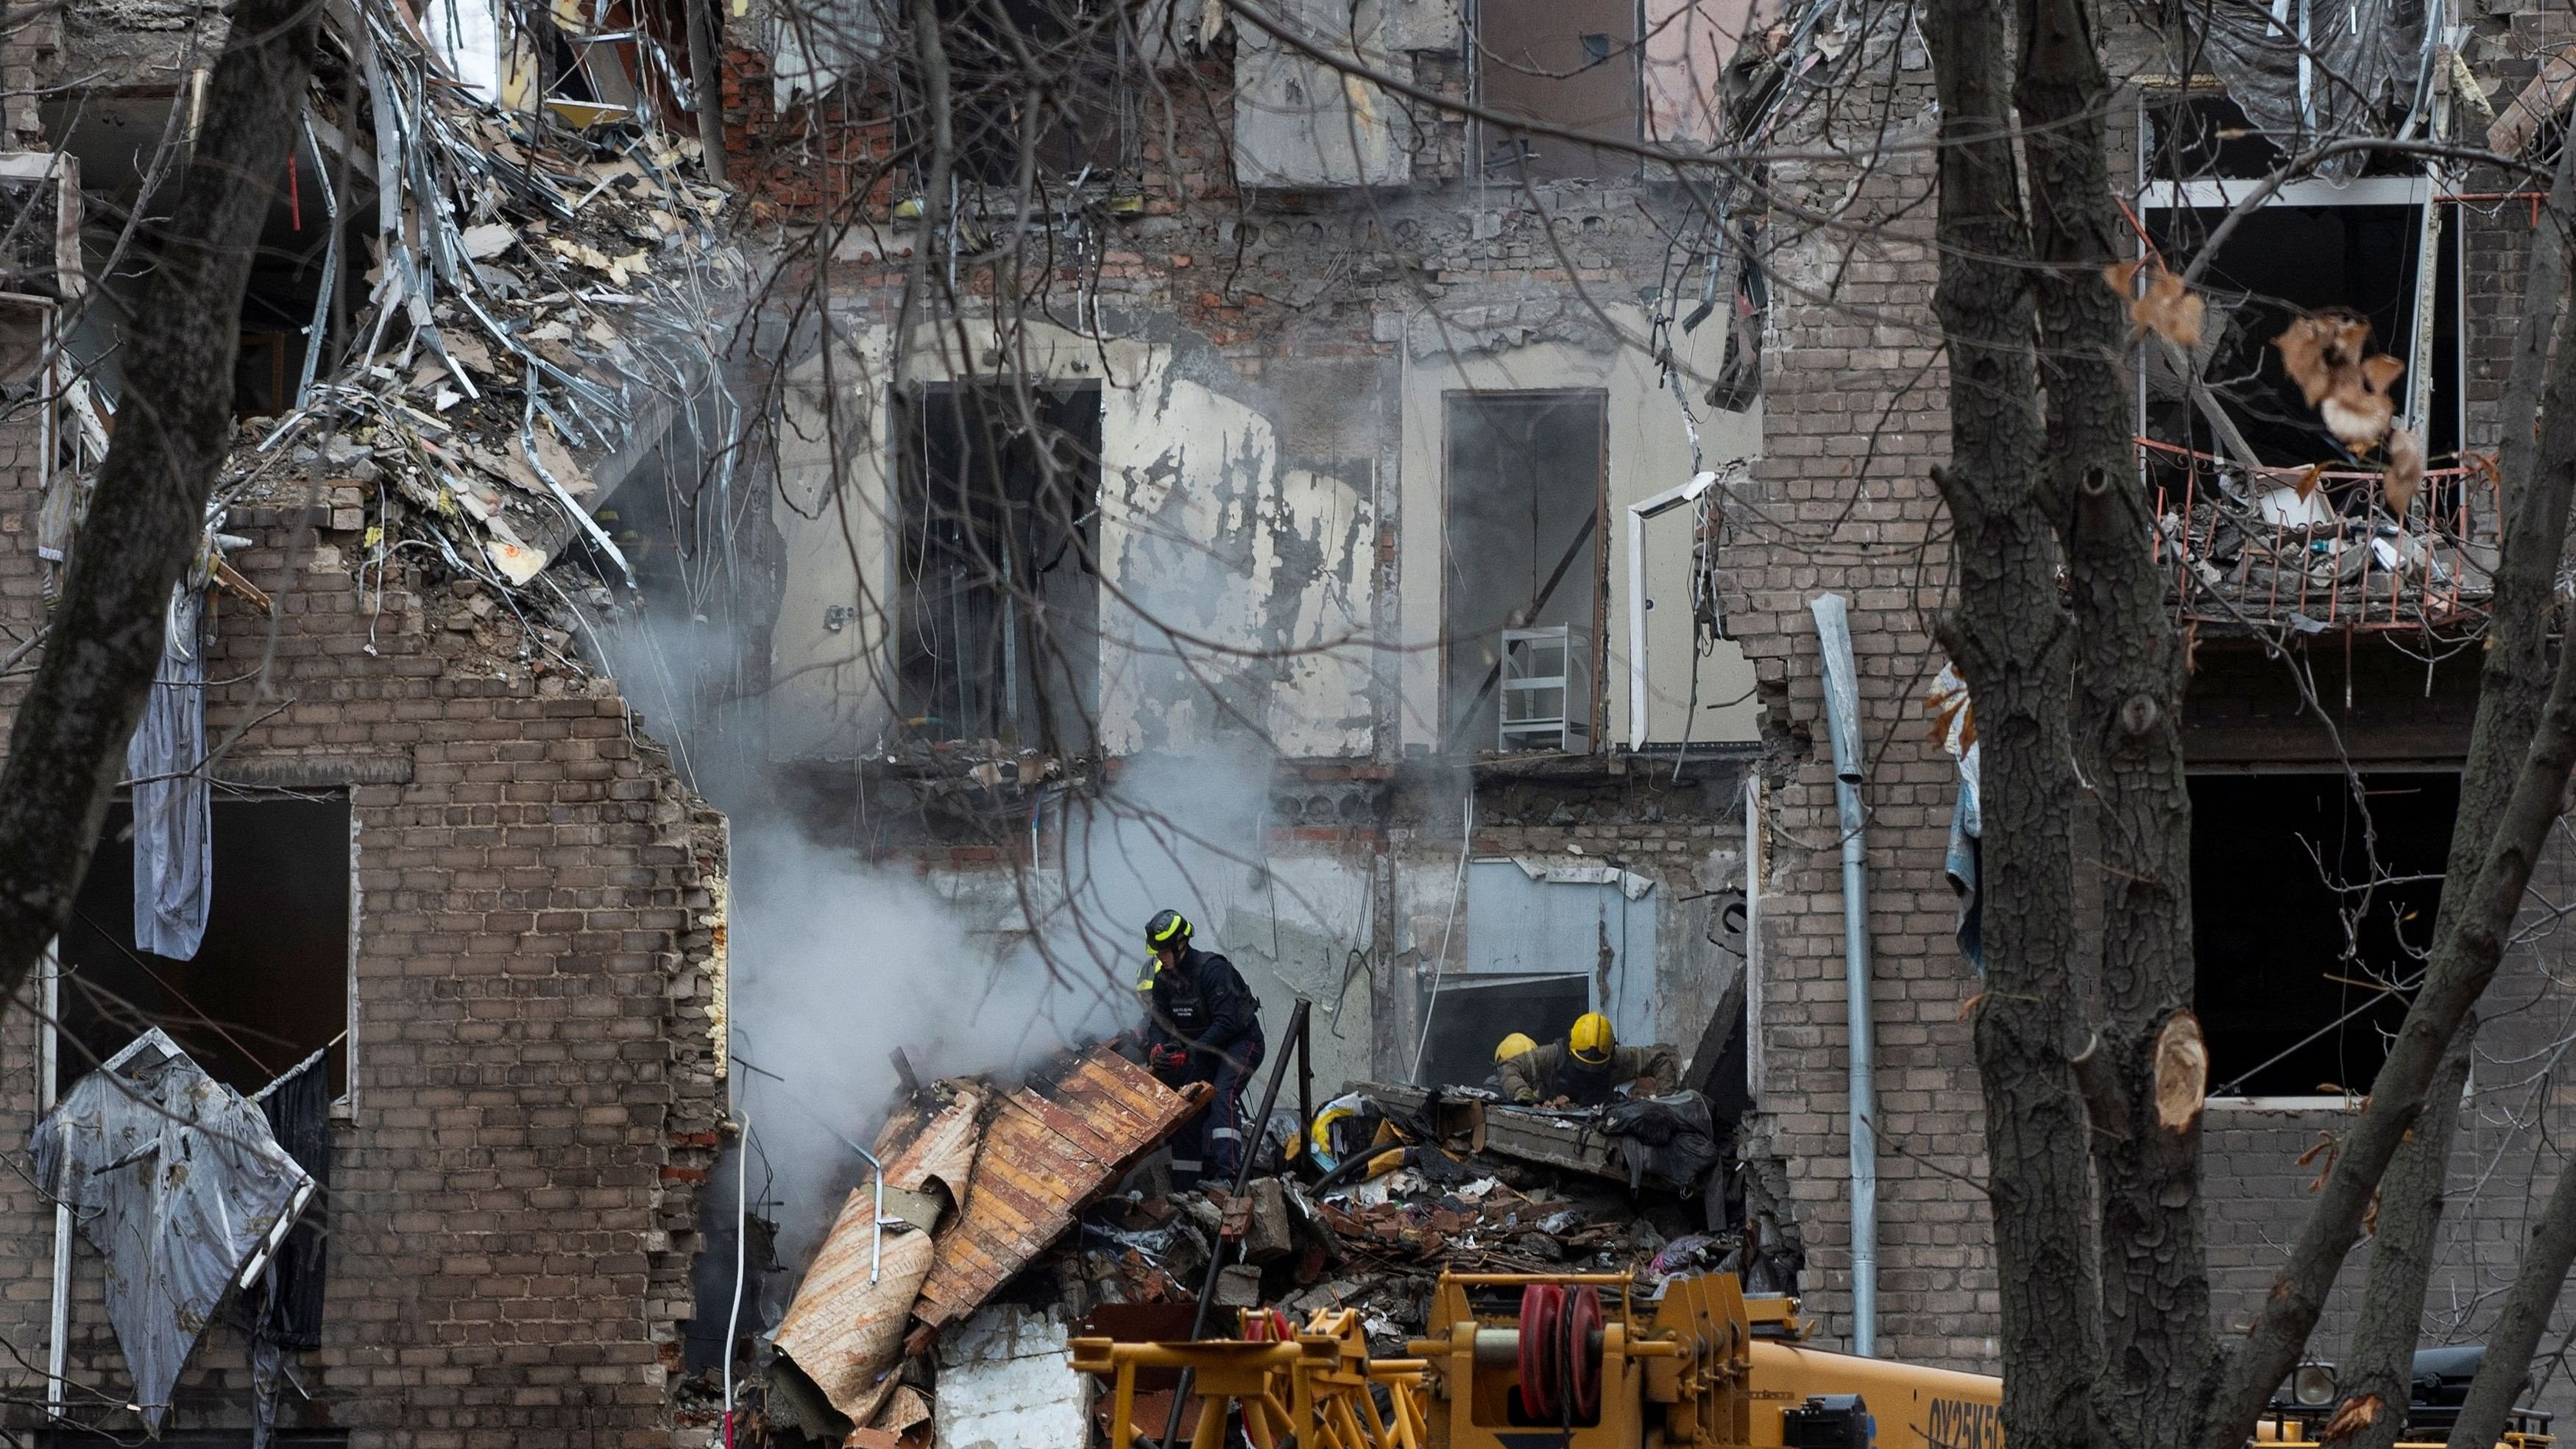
{"points": [[948, 1313], [545, 303], [2295, 550]]}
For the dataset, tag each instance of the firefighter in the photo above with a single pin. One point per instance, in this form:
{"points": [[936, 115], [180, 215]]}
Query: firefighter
{"points": [[1516, 1044], [1587, 1067], [1202, 1025]]}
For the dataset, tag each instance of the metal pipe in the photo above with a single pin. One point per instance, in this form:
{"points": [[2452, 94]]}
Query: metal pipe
{"points": [[741, 1227], [1842, 714], [48, 1065], [1242, 1180]]}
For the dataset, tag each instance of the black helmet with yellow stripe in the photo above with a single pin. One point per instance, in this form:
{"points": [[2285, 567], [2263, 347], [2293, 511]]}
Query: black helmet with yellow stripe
{"points": [[1168, 930]]}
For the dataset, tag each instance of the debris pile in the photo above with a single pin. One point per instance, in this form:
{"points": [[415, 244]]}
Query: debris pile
{"points": [[2313, 549], [544, 308], [1005, 1224]]}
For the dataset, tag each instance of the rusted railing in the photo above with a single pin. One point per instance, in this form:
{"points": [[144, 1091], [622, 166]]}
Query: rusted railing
{"points": [[2317, 549]]}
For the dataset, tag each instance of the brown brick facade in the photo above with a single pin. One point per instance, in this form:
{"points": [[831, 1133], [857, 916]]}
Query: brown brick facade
{"points": [[513, 1201]]}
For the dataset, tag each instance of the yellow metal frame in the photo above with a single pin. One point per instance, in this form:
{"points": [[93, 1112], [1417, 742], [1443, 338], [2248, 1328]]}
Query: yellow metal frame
{"points": [[1684, 1373], [2290, 1431], [1314, 1387]]}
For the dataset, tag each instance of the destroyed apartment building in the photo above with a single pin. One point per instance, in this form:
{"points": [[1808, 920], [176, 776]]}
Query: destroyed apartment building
{"points": [[1552, 532], [1505, 564]]}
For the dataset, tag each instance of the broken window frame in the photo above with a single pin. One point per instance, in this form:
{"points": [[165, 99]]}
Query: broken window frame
{"points": [[1452, 741], [1485, 137], [2440, 379], [59, 1049], [1053, 726], [2216, 195]]}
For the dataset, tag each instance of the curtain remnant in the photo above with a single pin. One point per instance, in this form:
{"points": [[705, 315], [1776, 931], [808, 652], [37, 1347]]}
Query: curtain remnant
{"points": [[298, 1108], [174, 844], [1954, 729]]}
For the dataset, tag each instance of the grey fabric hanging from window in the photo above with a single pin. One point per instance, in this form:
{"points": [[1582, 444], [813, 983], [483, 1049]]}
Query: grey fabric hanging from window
{"points": [[174, 843]]}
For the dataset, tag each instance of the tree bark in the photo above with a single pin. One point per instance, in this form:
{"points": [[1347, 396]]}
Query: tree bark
{"points": [[2482, 891], [2514, 683], [2382, 1358], [2515, 1338], [146, 516], [2128, 706], [2011, 639]]}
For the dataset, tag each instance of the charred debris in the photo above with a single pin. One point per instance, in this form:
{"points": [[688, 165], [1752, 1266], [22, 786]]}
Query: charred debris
{"points": [[1007, 1219]]}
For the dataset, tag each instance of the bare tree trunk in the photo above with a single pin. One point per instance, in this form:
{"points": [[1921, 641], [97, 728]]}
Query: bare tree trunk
{"points": [[2129, 682], [2515, 680], [2382, 1361], [67, 748], [2482, 892], [2515, 1338], [2012, 640]]}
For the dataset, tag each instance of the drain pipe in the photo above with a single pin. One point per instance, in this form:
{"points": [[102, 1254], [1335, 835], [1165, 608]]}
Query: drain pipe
{"points": [[1842, 715]]}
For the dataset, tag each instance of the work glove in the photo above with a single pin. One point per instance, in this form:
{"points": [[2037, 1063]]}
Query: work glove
{"points": [[1167, 1058], [1526, 1097]]}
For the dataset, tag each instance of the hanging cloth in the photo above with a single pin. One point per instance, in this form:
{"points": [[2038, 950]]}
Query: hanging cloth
{"points": [[174, 845]]}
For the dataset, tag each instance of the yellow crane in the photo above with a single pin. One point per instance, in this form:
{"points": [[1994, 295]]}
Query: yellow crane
{"points": [[1588, 1361], [1558, 1361]]}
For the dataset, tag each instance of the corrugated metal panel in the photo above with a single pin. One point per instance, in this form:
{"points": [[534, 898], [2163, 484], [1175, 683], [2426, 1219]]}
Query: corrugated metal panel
{"points": [[1041, 1159], [844, 1331]]}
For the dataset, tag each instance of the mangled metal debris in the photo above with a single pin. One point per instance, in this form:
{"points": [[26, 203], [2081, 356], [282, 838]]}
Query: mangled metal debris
{"points": [[1013, 1221], [999, 1178], [847, 1325], [1042, 1158], [182, 1188]]}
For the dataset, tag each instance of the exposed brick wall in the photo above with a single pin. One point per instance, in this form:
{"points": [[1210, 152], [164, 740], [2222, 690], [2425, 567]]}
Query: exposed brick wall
{"points": [[534, 1102]]}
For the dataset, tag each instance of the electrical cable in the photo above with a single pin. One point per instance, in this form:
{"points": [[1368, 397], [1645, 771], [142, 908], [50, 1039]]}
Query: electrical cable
{"points": [[1457, 892], [741, 1231]]}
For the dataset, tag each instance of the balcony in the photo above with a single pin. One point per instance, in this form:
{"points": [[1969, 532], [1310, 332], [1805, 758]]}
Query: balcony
{"points": [[2306, 551]]}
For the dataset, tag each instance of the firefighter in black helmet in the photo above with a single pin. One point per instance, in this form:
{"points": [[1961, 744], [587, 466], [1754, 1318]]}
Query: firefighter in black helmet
{"points": [[1202, 1025]]}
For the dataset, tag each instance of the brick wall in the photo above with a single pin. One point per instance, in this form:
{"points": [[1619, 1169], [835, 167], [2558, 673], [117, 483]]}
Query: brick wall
{"points": [[512, 1207]]}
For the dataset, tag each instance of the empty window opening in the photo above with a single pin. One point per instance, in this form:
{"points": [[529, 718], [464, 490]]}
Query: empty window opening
{"points": [[2311, 919], [269, 985], [1523, 566], [1066, 107], [1573, 64], [2199, 136], [1475, 1013], [2291, 260], [998, 619]]}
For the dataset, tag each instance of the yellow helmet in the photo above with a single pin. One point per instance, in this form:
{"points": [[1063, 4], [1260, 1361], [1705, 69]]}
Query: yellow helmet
{"points": [[1591, 1039], [1512, 1046]]}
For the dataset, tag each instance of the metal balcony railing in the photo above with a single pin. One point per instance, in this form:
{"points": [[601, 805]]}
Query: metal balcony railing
{"points": [[2311, 550]]}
